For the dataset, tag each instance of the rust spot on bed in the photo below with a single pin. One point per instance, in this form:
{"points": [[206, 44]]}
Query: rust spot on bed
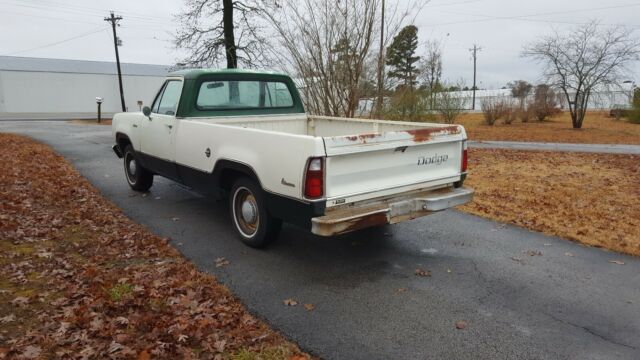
{"points": [[363, 137], [421, 135]]}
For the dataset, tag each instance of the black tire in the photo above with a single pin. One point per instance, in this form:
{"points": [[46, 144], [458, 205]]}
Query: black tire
{"points": [[139, 178], [251, 220]]}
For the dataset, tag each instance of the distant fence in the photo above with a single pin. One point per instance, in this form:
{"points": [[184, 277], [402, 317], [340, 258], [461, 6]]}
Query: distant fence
{"points": [[601, 100]]}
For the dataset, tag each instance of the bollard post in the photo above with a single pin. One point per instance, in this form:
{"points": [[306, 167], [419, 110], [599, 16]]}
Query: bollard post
{"points": [[99, 102]]}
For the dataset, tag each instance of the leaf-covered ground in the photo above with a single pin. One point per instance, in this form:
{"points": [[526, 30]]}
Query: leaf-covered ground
{"points": [[78, 279], [598, 128], [590, 198]]}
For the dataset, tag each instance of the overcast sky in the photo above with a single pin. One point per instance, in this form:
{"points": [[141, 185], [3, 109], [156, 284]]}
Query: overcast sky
{"points": [[74, 29]]}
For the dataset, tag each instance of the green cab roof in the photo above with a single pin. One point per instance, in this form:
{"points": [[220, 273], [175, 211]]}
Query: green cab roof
{"points": [[189, 74]]}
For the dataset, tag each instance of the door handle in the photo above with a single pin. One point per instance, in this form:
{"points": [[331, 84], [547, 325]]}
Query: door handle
{"points": [[169, 126]]}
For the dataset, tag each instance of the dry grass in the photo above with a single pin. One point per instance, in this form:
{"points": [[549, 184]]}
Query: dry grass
{"points": [[590, 198], [598, 128]]}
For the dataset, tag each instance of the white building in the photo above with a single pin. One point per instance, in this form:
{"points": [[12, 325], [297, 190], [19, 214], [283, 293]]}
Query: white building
{"points": [[56, 88]]}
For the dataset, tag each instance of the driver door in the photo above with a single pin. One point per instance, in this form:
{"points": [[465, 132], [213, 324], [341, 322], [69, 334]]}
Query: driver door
{"points": [[157, 140]]}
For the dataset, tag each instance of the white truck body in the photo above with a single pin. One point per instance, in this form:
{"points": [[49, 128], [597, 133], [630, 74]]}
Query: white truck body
{"points": [[375, 171]]}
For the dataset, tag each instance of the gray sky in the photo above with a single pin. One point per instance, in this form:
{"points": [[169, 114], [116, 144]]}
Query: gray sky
{"points": [[74, 29]]}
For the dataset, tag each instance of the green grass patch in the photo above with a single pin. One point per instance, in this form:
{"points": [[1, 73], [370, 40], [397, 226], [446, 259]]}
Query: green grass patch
{"points": [[120, 291]]}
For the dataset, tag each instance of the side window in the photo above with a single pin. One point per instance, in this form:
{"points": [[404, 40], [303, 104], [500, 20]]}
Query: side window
{"points": [[168, 103], [156, 101]]}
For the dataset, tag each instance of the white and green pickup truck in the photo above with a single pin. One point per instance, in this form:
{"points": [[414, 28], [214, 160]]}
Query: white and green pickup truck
{"points": [[245, 136]]}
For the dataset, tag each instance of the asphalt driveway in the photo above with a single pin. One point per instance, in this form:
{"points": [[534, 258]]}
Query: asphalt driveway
{"points": [[520, 293]]}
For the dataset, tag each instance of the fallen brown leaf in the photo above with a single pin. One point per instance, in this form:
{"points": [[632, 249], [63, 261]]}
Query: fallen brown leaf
{"points": [[19, 301], [182, 338], [422, 272], [7, 319], [144, 355], [220, 262], [309, 307], [290, 302], [31, 352], [461, 325]]}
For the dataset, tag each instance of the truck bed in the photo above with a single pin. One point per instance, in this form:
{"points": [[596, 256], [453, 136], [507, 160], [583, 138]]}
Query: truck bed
{"points": [[322, 126], [372, 158]]}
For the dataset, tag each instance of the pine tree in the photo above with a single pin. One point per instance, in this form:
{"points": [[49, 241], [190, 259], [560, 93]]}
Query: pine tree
{"points": [[401, 56]]}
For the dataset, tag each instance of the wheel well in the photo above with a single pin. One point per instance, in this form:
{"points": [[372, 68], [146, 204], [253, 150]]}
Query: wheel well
{"points": [[122, 140], [227, 172]]}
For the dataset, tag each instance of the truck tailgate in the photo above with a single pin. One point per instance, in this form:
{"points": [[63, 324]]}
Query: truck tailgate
{"points": [[360, 166]]}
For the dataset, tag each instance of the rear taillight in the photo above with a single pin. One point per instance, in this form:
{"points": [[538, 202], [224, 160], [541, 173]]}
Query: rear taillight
{"points": [[314, 179], [465, 159]]}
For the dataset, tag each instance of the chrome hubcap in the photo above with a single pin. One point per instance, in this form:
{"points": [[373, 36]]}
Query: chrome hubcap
{"points": [[249, 213], [132, 167], [245, 212]]}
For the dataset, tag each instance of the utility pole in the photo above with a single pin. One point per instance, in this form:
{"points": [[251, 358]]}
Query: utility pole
{"points": [[380, 99], [474, 54], [114, 22]]}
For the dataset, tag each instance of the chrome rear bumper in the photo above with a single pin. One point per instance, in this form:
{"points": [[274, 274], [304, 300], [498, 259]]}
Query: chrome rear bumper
{"points": [[389, 211]]}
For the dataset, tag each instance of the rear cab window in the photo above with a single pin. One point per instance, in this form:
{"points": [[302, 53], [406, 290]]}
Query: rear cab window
{"points": [[243, 94]]}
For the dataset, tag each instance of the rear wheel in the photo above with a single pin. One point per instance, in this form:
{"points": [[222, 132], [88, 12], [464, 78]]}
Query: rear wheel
{"points": [[139, 178], [255, 226]]}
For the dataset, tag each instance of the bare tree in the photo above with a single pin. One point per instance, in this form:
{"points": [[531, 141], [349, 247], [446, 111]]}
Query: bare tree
{"points": [[214, 31], [327, 45], [584, 59], [431, 68]]}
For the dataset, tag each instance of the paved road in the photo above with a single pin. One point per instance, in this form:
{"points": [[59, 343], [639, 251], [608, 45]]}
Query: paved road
{"points": [[591, 148], [369, 304]]}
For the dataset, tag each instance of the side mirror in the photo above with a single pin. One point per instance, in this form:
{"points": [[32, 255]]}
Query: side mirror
{"points": [[146, 111]]}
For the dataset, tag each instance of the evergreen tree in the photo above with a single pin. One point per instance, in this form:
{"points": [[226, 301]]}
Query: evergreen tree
{"points": [[401, 56]]}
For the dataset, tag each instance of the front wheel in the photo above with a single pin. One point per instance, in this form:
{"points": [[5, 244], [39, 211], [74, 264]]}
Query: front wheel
{"points": [[255, 226], [139, 178]]}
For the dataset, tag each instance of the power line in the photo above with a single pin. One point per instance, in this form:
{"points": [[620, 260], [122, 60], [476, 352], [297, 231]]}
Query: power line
{"points": [[57, 42], [77, 8], [452, 4], [69, 10]]}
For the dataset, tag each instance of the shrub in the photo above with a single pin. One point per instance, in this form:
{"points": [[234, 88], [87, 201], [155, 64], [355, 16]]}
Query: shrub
{"points": [[494, 109], [524, 115], [449, 105], [510, 114], [406, 104], [545, 103]]}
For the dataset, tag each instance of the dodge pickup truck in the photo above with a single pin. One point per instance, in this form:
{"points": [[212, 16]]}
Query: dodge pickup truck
{"points": [[244, 136]]}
